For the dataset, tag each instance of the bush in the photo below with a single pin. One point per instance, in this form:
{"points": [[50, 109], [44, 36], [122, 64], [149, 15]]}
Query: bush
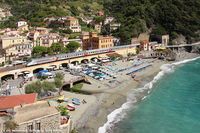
{"points": [[48, 86], [35, 87], [10, 125], [59, 75], [63, 110], [58, 83], [113, 57]]}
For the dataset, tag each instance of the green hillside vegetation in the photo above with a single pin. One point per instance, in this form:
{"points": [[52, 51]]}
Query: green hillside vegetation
{"points": [[164, 16], [35, 11], [172, 17]]}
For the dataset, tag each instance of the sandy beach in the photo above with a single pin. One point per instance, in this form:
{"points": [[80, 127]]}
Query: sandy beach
{"points": [[110, 97]]}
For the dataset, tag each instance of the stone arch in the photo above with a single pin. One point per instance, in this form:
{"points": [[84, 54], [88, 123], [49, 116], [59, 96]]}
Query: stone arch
{"points": [[8, 76], [37, 70], [94, 58], [64, 65], [75, 62], [85, 61]]}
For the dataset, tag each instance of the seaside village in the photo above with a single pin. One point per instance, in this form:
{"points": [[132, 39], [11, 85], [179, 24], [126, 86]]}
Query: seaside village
{"points": [[45, 87]]}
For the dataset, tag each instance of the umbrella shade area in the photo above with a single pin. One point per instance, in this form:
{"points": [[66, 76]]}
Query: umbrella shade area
{"points": [[101, 75]]}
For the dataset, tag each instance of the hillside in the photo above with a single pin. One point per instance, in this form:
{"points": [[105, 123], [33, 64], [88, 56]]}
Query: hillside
{"points": [[172, 17], [163, 16], [34, 11]]}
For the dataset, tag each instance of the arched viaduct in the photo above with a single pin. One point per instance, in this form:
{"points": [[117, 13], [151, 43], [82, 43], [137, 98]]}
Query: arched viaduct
{"points": [[14, 71]]}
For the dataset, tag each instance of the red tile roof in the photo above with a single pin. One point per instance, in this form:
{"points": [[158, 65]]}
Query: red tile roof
{"points": [[7, 102], [71, 19], [32, 32], [144, 42]]}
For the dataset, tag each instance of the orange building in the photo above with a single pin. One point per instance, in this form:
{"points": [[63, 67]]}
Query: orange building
{"points": [[93, 41]]}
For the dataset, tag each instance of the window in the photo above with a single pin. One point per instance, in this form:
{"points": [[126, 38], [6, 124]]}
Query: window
{"points": [[38, 126], [13, 41], [30, 128]]}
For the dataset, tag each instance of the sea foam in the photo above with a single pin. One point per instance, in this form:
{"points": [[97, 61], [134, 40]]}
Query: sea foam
{"points": [[118, 114]]}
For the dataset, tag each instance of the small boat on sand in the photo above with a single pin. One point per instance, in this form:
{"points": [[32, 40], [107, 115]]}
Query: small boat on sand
{"points": [[76, 102]]}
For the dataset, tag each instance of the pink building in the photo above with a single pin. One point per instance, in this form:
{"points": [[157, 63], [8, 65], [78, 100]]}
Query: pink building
{"points": [[47, 39]]}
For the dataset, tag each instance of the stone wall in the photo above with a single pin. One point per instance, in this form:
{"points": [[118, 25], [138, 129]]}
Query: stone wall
{"points": [[51, 122]]}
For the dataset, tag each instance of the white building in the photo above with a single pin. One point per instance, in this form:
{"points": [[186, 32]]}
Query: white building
{"points": [[21, 22]]}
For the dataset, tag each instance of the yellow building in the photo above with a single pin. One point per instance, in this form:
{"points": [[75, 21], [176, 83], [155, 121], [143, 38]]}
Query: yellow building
{"points": [[10, 41], [22, 28], [73, 24], [93, 41]]}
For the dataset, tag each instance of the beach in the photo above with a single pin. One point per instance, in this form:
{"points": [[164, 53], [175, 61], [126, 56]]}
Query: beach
{"points": [[109, 98]]}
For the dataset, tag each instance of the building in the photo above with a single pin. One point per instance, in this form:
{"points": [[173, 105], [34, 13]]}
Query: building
{"points": [[97, 26], [73, 24], [37, 116], [108, 20], [93, 41], [4, 14], [21, 22], [47, 39], [2, 59], [100, 13], [140, 38], [15, 51], [41, 117], [7, 103], [23, 28], [114, 26], [8, 41], [163, 39], [148, 46], [43, 30], [9, 32], [65, 41], [33, 35]]}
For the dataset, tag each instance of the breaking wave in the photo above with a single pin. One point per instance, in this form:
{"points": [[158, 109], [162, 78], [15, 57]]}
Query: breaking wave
{"points": [[118, 114]]}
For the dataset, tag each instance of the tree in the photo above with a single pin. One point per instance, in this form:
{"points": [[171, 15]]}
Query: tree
{"points": [[35, 87], [48, 86], [113, 57], [10, 125], [106, 29], [99, 19], [58, 48], [72, 46], [66, 31], [58, 83], [60, 75], [39, 51]]}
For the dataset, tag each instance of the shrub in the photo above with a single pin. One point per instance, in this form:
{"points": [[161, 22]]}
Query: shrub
{"points": [[48, 86], [59, 75], [58, 83]]}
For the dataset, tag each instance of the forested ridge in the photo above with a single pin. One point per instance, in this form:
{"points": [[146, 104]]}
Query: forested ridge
{"points": [[172, 17], [162, 16]]}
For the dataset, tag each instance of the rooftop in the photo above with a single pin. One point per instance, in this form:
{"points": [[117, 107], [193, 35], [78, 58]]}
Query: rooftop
{"points": [[33, 111], [7, 102], [71, 19]]}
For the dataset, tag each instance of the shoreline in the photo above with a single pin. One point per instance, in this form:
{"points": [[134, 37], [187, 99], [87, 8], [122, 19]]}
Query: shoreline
{"points": [[116, 98]]}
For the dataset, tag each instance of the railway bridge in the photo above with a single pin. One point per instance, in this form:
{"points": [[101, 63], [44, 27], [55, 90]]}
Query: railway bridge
{"points": [[14, 71], [187, 47]]}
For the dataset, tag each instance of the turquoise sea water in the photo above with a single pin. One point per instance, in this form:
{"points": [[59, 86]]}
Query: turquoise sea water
{"points": [[172, 107]]}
